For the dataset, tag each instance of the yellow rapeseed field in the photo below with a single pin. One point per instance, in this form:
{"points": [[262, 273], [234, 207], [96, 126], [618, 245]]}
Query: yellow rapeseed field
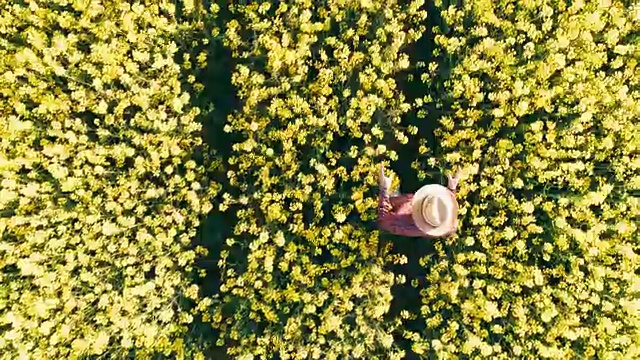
{"points": [[126, 127]]}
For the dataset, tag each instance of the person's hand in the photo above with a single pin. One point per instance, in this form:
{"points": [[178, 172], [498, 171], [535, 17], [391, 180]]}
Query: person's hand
{"points": [[453, 181], [385, 181]]}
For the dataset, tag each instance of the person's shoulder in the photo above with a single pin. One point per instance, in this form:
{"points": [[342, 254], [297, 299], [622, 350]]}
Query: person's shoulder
{"points": [[407, 197], [401, 200]]}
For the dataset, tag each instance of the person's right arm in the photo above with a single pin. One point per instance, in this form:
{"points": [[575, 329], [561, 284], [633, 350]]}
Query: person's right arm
{"points": [[452, 183]]}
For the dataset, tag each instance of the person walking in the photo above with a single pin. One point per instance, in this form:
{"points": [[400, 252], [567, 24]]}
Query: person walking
{"points": [[431, 212]]}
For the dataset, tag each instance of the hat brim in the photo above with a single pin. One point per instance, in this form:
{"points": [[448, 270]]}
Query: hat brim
{"points": [[416, 210]]}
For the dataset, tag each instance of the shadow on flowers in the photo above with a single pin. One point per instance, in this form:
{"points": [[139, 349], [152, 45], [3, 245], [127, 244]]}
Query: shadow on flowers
{"points": [[209, 83], [416, 171]]}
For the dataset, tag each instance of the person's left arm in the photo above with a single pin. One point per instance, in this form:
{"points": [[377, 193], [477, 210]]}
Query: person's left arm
{"points": [[385, 217]]}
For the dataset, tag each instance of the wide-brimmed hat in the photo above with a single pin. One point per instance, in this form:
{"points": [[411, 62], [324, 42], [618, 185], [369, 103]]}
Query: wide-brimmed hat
{"points": [[434, 210]]}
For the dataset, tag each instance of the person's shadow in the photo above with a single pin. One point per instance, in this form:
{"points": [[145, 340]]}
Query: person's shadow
{"points": [[407, 296]]}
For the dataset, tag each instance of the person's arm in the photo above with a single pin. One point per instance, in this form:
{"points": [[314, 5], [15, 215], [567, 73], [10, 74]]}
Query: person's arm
{"points": [[384, 206], [384, 210], [393, 216], [452, 183]]}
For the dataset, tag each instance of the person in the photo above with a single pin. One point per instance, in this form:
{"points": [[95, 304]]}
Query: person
{"points": [[431, 212]]}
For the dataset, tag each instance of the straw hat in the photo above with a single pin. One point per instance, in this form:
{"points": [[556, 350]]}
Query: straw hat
{"points": [[434, 210]]}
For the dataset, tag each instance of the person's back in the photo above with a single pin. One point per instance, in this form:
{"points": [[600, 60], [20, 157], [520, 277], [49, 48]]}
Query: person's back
{"points": [[431, 212]]}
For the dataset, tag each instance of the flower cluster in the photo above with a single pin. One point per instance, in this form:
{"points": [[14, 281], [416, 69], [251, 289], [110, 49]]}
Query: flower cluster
{"points": [[102, 181], [540, 110], [99, 192], [300, 278]]}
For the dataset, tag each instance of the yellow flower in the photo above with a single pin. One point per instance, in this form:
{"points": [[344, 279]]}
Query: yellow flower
{"points": [[279, 239]]}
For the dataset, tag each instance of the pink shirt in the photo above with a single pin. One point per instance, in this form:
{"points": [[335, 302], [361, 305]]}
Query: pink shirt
{"points": [[394, 215]]}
